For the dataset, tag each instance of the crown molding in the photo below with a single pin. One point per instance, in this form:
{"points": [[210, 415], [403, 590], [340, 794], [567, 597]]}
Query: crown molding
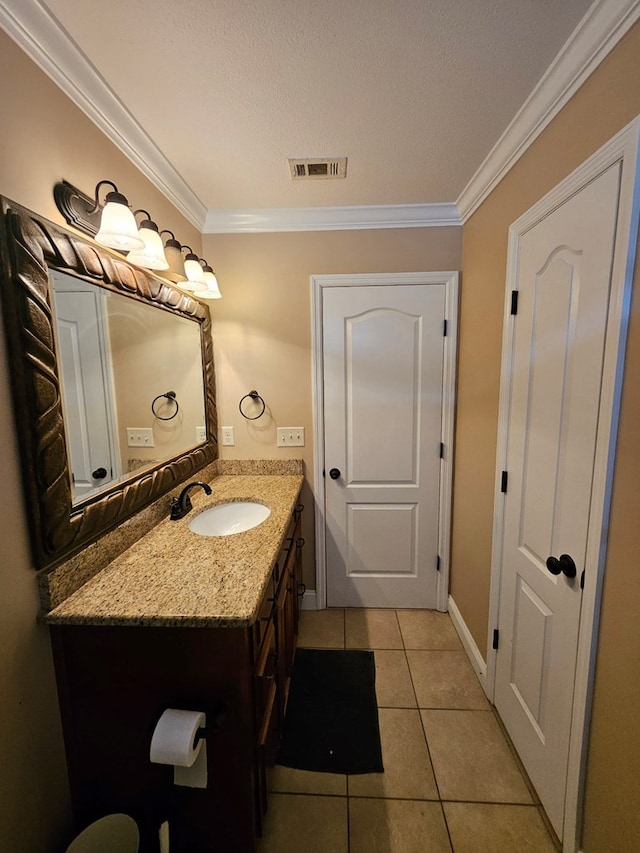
{"points": [[345, 218], [40, 34], [604, 24]]}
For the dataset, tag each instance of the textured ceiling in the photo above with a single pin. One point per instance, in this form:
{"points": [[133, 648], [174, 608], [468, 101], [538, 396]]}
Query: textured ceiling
{"points": [[414, 92]]}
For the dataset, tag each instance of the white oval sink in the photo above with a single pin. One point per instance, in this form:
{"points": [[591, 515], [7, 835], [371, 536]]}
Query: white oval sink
{"points": [[226, 519]]}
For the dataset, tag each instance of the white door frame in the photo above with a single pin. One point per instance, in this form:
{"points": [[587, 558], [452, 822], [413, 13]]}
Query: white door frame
{"points": [[622, 148], [318, 283]]}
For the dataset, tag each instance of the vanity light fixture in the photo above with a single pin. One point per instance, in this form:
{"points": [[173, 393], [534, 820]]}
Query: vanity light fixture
{"points": [[173, 254], [115, 225], [195, 274], [213, 290], [118, 226], [151, 255]]}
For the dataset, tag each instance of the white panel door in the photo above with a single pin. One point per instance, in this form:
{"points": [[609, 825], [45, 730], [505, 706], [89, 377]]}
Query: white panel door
{"points": [[84, 391], [383, 378], [563, 284]]}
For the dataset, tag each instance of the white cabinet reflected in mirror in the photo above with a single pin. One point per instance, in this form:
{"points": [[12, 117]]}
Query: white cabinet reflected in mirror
{"points": [[117, 356]]}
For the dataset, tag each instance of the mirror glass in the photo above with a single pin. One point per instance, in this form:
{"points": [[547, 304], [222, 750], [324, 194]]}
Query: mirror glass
{"points": [[131, 384]]}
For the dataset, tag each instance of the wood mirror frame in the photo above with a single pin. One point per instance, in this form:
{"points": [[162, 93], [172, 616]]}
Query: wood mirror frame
{"points": [[30, 246]]}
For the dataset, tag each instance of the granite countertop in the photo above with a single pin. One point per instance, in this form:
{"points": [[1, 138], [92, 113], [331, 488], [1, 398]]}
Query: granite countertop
{"points": [[172, 577]]}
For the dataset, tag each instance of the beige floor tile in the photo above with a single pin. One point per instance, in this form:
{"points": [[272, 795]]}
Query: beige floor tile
{"points": [[428, 629], [321, 629], [497, 829], [295, 822], [393, 681], [289, 780], [372, 629], [445, 680], [407, 768], [471, 758], [396, 826]]}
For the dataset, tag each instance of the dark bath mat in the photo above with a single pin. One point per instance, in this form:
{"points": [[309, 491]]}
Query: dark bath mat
{"points": [[331, 724]]}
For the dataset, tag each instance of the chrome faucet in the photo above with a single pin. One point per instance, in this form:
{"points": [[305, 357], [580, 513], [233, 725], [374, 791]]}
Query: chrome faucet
{"points": [[181, 505]]}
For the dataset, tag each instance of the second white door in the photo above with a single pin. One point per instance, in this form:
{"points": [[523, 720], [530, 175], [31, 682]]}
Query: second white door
{"points": [[563, 281], [383, 358]]}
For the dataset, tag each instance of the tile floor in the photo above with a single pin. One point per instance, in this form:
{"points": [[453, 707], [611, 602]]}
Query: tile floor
{"points": [[451, 781]]}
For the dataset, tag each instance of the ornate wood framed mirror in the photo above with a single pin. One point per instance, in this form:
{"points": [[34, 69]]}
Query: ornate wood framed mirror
{"points": [[44, 268]]}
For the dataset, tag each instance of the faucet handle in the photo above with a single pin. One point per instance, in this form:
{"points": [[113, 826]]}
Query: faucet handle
{"points": [[174, 504]]}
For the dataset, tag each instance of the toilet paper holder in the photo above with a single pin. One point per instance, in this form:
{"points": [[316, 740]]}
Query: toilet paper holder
{"points": [[180, 740], [217, 717]]}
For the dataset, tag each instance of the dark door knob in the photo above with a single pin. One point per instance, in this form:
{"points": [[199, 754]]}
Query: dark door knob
{"points": [[334, 473], [99, 474], [553, 564], [562, 564], [567, 565]]}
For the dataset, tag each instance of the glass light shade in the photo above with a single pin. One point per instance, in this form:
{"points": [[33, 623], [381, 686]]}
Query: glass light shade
{"points": [[212, 291], [118, 228], [195, 275], [151, 256], [175, 259]]}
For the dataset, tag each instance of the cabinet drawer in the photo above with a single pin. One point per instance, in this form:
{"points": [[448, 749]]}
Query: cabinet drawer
{"points": [[265, 615], [288, 546], [265, 672]]}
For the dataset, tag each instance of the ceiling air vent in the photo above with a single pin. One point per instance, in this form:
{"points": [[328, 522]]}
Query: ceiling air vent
{"points": [[318, 168]]}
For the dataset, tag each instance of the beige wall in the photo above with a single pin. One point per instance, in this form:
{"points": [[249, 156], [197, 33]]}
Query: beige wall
{"points": [[605, 104], [262, 325], [44, 138]]}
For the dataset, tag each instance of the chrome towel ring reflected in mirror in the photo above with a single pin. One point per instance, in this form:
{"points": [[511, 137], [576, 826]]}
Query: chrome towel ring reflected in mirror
{"points": [[170, 396], [255, 397]]}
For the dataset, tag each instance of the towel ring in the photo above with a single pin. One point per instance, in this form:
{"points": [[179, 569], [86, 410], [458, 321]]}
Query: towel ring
{"points": [[171, 397], [254, 396]]}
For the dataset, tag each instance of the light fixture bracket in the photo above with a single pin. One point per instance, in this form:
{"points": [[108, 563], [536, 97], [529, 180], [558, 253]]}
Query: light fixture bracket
{"points": [[77, 209]]}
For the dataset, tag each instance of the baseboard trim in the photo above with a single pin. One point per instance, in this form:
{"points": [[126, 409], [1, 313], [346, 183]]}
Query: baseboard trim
{"points": [[470, 647], [309, 600]]}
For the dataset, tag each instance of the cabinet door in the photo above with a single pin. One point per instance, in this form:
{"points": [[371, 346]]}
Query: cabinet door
{"points": [[282, 617], [266, 693]]}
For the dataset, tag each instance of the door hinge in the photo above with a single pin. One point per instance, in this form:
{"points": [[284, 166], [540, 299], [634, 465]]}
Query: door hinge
{"points": [[514, 301], [441, 450], [438, 563], [504, 480], [444, 331], [496, 638]]}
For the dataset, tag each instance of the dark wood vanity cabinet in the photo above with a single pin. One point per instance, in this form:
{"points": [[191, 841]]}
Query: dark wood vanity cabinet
{"points": [[275, 635], [114, 683]]}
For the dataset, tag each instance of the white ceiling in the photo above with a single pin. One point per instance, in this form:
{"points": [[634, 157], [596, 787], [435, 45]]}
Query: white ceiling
{"points": [[414, 92]]}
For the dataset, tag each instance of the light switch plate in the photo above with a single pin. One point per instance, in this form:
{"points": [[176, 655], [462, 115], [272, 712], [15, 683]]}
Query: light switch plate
{"points": [[290, 437], [140, 437], [201, 435], [228, 438]]}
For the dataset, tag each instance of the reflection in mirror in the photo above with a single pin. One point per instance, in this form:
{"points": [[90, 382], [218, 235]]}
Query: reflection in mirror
{"points": [[117, 356]]}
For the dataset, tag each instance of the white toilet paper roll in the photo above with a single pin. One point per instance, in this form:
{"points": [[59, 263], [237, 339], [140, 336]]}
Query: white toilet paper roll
{"points": [[173, 740]]}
